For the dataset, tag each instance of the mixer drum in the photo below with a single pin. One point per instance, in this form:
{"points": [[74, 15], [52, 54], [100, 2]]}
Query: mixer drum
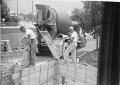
{"points": [[56, 19]]}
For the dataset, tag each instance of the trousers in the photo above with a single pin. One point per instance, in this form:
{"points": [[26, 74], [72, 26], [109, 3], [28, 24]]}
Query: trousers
{"points": [[71, 49], [32, 52]]}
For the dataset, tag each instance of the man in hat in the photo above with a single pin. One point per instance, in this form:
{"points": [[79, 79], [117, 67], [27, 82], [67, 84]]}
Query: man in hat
{"points": [[72, 45]]}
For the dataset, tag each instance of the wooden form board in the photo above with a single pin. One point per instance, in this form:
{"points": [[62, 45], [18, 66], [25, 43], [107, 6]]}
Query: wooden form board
{"points": [[76, 74], [50, 73], [41, 74]]}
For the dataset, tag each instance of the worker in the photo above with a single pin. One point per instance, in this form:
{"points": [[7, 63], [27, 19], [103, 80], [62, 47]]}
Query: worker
{"points": [[72, 44], [32, 43]]}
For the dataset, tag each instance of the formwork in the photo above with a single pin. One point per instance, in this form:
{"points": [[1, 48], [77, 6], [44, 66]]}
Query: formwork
{"points": [[52, 72], [42, 73]]}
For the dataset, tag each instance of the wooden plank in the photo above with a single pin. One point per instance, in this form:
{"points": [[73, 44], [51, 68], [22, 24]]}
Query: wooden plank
{"points": [[51, 72], [40, 74], [50, 82], [15, 76], [69, 81], [91, 82], [25, 72], [83, 73], [34, 79], [5, 82], [17, 81], [43, 76], [34, 69], [24, 80]]}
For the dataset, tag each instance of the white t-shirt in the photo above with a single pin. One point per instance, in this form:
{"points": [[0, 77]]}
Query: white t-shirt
{"points": [[74, 34], [29, 31]]}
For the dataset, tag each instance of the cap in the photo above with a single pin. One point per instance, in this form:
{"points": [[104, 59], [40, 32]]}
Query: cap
{"points": [[71, 27]]}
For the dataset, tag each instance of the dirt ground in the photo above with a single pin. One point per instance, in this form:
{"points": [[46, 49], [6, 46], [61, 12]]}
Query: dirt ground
{"points": [[91, 56]]}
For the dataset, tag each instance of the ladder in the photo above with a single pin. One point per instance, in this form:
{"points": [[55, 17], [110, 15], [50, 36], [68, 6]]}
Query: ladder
{"points": [[55, 52]]}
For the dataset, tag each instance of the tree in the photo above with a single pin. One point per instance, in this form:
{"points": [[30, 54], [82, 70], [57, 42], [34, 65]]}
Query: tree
{"points": [[4, 10], [29, 16], [90, 17]]}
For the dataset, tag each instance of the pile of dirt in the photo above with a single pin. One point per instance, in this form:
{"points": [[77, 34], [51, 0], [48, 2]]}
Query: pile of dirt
{"points": [[90, 58]]}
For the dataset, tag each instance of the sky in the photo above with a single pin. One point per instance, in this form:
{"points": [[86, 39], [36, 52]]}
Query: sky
{"points": [[25, 6]]}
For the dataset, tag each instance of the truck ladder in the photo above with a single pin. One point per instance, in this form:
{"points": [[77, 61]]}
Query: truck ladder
{"points": [[55, 52]]}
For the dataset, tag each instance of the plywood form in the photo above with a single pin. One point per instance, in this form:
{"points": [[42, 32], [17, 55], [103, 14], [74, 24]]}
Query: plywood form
{"points": [[81, 72], [69, 81], [5, 69], [44, 73], [40, 74], [5, 82]]}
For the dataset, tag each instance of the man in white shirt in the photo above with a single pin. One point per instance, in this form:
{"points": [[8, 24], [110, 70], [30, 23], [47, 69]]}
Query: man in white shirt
{"points": [[32, 43], [72, 46]]}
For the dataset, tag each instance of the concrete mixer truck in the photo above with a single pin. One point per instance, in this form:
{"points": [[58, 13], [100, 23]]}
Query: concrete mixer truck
{"points": [[57, 22]]}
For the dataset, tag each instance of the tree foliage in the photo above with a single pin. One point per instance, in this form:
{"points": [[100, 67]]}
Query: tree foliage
{"points": [[31, 17], [28, 17], [4, 10], [90, 18]]}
